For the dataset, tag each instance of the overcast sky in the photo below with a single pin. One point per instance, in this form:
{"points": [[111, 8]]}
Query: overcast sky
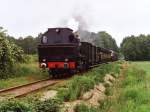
{"points": [[119, 18]]}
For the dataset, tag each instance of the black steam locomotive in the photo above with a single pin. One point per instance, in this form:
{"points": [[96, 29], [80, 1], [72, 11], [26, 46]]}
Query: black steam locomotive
{"points": [[60, 50]]}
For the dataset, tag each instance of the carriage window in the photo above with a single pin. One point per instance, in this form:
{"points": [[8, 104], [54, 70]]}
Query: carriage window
{"points": [[44, 39]]}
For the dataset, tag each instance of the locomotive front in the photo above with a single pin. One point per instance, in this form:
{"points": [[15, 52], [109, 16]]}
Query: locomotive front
{"points": [[59, 50]]}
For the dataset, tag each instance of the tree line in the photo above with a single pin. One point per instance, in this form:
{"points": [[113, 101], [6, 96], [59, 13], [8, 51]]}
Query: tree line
{"points": [[136, 47], [100, 39], [28, 44]]}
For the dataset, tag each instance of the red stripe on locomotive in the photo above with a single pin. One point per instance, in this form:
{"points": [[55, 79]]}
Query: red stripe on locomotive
{"points": [[52, 65]]}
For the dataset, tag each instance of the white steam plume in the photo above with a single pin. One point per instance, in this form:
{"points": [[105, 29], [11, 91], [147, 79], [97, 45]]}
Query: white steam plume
{"points": [[73, 24]]}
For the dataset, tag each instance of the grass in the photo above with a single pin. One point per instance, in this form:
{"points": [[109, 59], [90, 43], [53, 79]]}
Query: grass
{"points": [[78, 85], [84, 108], [132, 94], [24, 73], [71, 89], [144, 65]]}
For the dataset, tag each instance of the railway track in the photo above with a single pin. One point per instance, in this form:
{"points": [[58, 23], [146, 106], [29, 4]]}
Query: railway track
{"points": [[23, 90]]}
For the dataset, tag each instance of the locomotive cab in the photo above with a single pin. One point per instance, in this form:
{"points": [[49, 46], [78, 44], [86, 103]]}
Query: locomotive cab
{"points": [[58, 50]]}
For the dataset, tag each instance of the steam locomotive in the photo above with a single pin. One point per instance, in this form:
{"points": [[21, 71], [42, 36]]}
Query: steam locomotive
{"points": [[60, 51]]}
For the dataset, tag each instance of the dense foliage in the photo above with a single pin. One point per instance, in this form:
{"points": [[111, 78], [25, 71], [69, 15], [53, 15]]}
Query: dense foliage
{"points": [[10, 54], [28, 44], [50, 105], [136, 48], [106, 41], [30, 105], [14, 106]]}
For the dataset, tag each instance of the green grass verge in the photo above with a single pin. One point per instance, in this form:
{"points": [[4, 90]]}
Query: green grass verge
{"points": [[133, 94], [24, 73], [80, 84]]}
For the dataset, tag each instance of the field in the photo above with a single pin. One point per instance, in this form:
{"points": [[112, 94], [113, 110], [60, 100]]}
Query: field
{"points": [[143, 65], [132, 91]]}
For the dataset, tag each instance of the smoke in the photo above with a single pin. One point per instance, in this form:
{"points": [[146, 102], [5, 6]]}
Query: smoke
{"points": [[73, 24], [78, 22], [79, 18]]}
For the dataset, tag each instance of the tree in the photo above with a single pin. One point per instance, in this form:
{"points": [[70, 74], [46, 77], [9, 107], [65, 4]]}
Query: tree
{"points": [[10, 53], [105, 40], [136, 48], [28, 44]]}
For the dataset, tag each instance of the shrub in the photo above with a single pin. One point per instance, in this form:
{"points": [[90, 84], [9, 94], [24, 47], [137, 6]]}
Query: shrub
{"points": [[63, 94], [14, 106], [31, 58], [78, 86], [10, 53], [50, 105]]}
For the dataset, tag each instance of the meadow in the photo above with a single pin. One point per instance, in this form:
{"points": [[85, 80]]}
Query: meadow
{"points": [[132, 92]]}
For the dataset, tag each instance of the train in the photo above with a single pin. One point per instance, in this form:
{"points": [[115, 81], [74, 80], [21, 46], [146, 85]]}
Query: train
{"points": [[61, 51]]}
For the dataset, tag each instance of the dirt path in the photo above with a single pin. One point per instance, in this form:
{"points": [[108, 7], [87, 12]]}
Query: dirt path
{"points": [[117, 85]]}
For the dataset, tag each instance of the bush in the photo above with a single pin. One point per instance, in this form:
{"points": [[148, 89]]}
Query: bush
{"points": [[63, 94], [14, 106], [50, 105], [10, 54], [30, 104], [76, 87], [31, 58]]}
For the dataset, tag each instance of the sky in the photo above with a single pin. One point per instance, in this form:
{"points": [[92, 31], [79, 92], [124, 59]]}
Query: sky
{"points": [[120, 18]]}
